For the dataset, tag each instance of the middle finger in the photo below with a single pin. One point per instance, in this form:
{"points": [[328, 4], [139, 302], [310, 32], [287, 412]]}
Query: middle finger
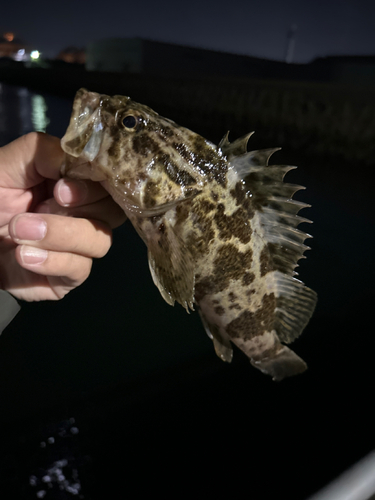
{"points": [[73, 193], [90, 238], [105, 210]]}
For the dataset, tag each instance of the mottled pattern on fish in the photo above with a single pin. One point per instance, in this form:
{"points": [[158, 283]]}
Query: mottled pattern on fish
{"points": [[219, 223]]}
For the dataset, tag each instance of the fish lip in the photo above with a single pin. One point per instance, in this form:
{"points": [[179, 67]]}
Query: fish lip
{"points": [[94, 143], [88, 99], [88, 124]]}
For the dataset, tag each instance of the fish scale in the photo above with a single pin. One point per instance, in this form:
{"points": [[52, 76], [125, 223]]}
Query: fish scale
{"points": [[219, 223]]}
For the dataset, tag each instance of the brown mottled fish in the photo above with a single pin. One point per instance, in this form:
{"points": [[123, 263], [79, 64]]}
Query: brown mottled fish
{"points": [[219, 223]]}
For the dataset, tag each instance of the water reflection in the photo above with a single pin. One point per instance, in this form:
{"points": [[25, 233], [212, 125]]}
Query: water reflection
{"points": [[39, 113], [58, 462], [21, 111]]}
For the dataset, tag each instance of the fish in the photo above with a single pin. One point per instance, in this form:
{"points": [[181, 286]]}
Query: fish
{"points": [[219, 222]]}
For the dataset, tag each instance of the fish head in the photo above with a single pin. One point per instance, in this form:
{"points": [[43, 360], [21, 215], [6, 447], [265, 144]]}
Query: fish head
{"points": [[147, 163]]}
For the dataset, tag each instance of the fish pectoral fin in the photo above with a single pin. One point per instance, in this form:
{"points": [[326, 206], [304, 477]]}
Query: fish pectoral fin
{"points": [[284, 363], [172, 269]]}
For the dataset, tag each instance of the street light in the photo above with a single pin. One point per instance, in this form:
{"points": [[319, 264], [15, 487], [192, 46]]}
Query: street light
{"points": [[35, 54]]}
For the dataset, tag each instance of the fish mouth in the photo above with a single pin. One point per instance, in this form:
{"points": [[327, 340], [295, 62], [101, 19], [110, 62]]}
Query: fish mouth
{"points": [[85, 133]]}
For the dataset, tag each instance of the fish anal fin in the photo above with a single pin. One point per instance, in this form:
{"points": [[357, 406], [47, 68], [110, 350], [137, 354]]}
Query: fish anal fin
{"points": [[285, 363], [223, 350], [221, 343]]}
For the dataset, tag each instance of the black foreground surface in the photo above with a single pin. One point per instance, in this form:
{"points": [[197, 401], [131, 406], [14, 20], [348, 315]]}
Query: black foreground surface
{"points": [[113, 390]]}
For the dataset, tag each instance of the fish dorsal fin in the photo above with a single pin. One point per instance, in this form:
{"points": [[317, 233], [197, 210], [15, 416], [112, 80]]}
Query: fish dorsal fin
{"points": [[295, 304], [171, 265], [235, 148], [250, 162], [278, 218], [272, 198]]}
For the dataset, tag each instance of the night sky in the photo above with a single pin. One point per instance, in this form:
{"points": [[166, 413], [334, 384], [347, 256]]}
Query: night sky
{"points": [[257, 28]]}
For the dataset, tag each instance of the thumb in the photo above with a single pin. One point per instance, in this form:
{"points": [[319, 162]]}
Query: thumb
{"points": [[29, 160]]}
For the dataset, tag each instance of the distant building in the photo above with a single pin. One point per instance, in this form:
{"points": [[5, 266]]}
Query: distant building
{"points": [[72, 55], [14, 48]]}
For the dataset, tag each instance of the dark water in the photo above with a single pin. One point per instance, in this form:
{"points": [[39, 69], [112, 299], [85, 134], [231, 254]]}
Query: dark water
{"points": [[154, 407], [23, 111]]}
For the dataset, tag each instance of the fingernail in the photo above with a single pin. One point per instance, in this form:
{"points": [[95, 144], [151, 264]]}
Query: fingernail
{"points": [[70, 192], [32, 255], [28, 227]]}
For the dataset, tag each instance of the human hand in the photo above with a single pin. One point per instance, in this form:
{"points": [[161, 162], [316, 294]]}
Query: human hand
{"points": [[50, 228]]}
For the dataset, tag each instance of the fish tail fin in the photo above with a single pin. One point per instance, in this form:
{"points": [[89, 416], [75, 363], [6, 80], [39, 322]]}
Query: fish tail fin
{"points": [[284, 363]]}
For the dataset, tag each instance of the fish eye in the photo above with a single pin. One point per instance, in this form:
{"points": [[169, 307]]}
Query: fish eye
{"points": [[129, 121]]}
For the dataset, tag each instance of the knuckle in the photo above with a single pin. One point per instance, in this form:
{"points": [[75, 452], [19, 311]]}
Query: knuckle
{"points": [[104, 247], [33, 138], [82, 268], [75, 270]]}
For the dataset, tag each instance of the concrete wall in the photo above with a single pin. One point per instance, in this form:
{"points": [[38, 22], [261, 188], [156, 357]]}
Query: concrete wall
{"points": [[135, 55], [115, 55]]}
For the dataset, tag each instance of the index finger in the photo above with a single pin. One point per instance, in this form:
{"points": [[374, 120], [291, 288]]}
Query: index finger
{"points": [[29, 160]]}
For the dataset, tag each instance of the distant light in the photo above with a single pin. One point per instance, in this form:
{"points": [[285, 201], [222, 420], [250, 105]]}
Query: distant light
{"points": [[35, 54], [20, 55], [9, 37]]}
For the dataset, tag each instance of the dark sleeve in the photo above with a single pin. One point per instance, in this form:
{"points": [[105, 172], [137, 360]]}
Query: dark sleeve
{"points": [[9, 307]]}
